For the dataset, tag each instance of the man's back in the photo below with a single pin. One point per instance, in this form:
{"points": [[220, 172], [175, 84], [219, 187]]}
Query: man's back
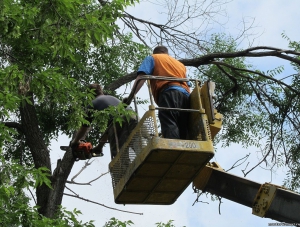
{"points": [[103, 101], [165, 65]]}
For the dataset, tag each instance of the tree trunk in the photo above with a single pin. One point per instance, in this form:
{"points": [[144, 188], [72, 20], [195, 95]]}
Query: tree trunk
{"points": [[48, 199], [40, 153], [60, 176]]}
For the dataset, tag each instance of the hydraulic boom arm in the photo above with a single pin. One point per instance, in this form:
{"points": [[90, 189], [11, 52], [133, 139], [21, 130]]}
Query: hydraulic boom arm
{"points": [[266, 200]]}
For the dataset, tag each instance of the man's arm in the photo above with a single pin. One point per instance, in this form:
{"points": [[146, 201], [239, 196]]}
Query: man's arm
{"points": [[146, 68], [81, 134], [140, 83], [101, 144]]}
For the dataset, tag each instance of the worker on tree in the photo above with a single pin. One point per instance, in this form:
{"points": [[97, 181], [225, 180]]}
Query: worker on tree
{"points": [[102, 102], [170, 94]]}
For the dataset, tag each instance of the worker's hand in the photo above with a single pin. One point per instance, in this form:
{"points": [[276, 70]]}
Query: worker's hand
{"points": [[98, 148], [74, 144], [125, 100]]}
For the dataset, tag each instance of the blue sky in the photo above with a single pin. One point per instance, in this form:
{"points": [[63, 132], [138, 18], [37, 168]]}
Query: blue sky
{"points": [[271, 18]]}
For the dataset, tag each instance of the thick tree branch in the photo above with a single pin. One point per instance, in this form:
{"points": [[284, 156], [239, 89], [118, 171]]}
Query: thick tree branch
{"points": [[60, 176], [215, 58], [250, 52], [14, 125], [121, 81]]}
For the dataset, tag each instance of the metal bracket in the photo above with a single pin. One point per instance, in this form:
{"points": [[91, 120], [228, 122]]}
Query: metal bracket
{"points": [[263, 199]]}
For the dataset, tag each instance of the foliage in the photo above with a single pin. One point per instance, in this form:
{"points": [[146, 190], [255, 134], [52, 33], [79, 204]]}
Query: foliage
{"points": [[111, 61], [113, 222], [49, 52], [168, 224], [51, 55], [260, 108], [234, 100], [291, 111], [16, 182]]}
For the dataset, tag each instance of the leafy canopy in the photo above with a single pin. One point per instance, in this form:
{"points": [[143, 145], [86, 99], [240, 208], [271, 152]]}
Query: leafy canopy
{"points": [[50, 50]]}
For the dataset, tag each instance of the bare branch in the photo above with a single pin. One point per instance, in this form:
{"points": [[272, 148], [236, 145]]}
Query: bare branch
{"points": [[72, 191], [255, 72], [220, 202], [182, 25], [261, 161], [86, 164], [234, 164], [90, 201], [197, 199], [88, 183], [33, 197]]}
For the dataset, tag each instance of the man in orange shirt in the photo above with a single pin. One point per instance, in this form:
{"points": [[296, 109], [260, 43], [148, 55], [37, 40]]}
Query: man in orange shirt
{"points": [[170, 94]]}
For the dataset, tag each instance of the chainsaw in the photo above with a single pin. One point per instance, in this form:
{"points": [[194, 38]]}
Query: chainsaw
{"points": [[83, 151]]}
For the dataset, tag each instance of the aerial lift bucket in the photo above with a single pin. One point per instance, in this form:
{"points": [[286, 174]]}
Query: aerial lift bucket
{"points": [[154, 170]]}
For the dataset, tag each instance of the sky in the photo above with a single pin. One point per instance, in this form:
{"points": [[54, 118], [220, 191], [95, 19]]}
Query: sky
{"points": [[271, 18]]}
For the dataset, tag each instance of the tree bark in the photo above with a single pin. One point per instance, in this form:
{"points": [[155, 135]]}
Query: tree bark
{"points": [[40, 153], [48, 199], [60, 176]]}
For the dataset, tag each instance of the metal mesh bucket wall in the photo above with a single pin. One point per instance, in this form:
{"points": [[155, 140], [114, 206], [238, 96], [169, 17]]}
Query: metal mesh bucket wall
{"points": [[137, 140]]}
